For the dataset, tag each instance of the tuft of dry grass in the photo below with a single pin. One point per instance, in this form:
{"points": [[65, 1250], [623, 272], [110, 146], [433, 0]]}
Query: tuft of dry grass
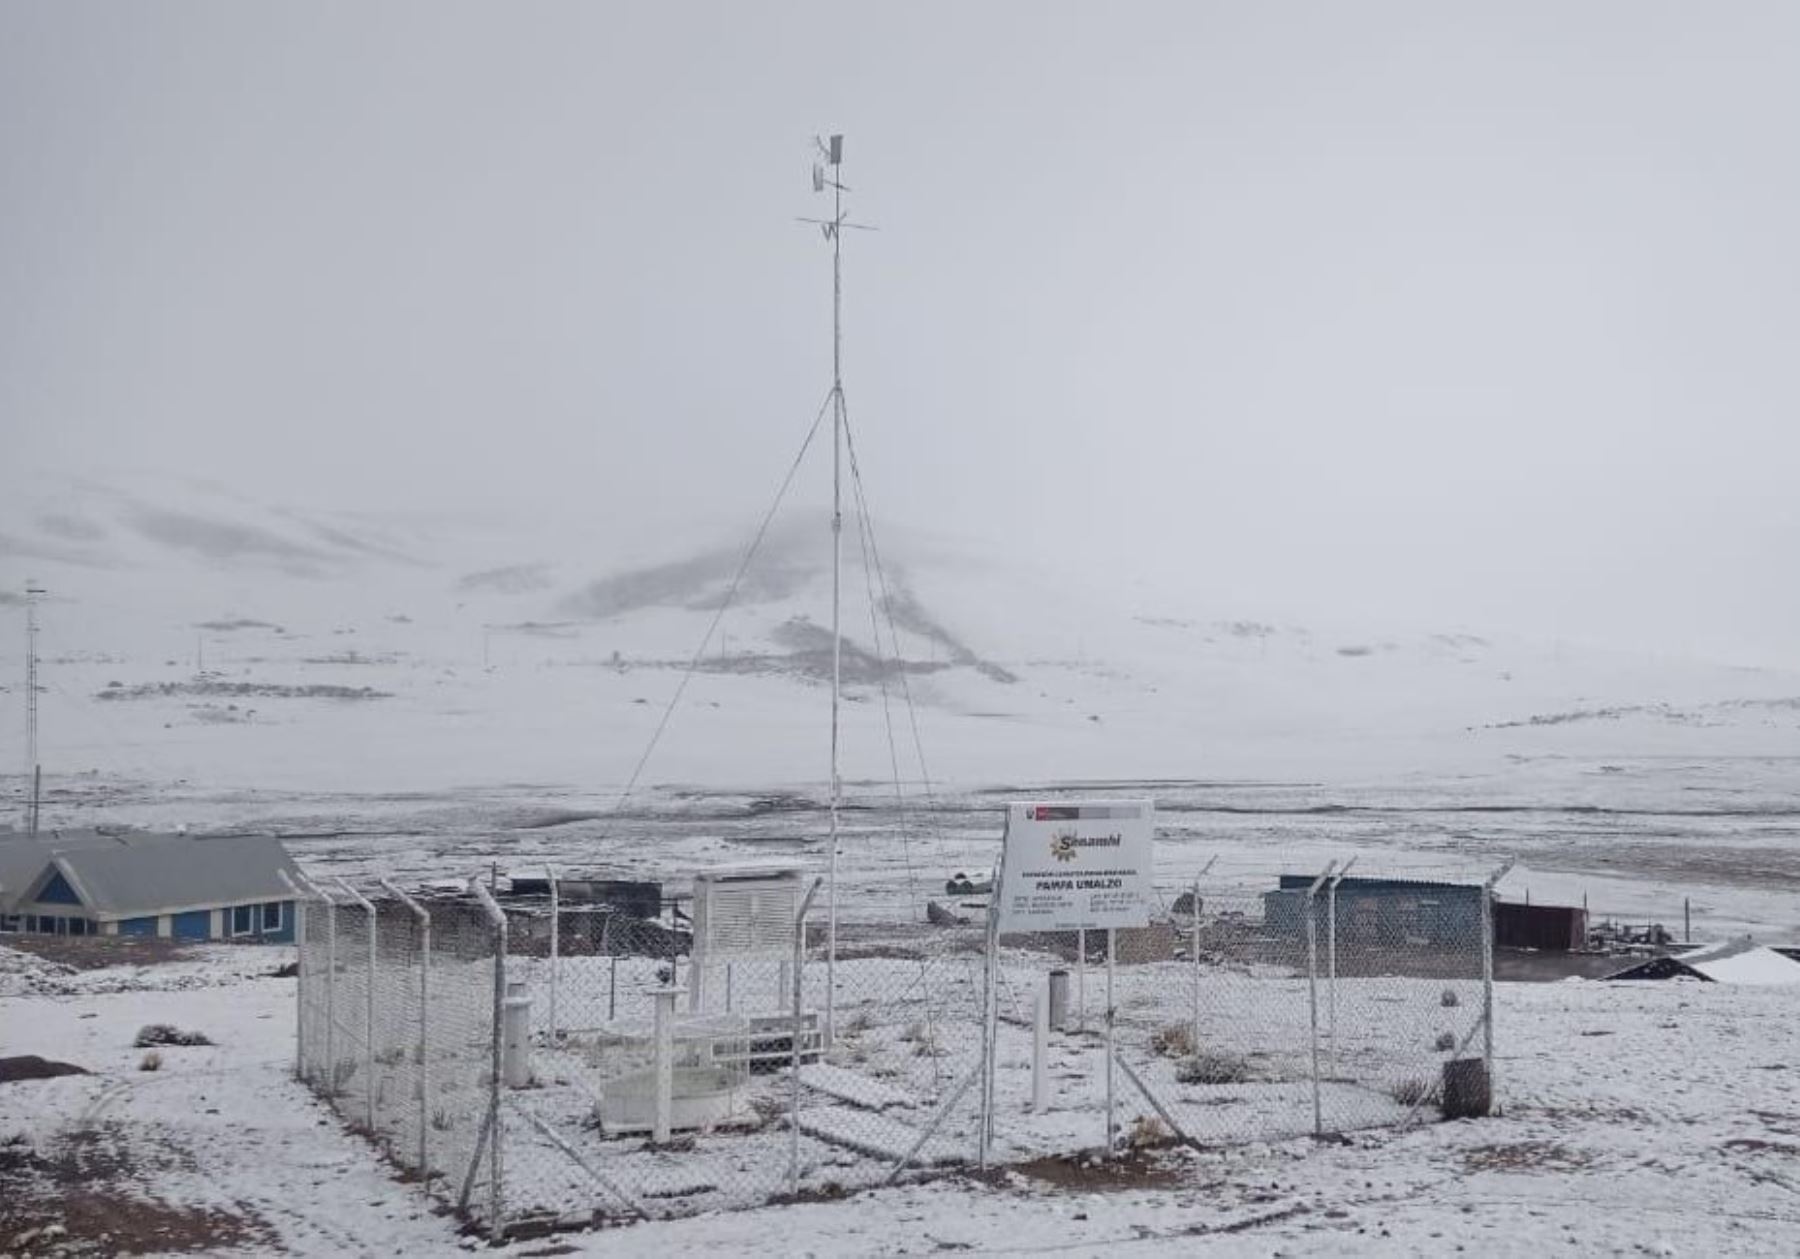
{"points": [[1174, 1040], [1214, 1069], [1525, 1156], [151, 1061], [1148, 1133], [167, 1034], [923, 1038]]}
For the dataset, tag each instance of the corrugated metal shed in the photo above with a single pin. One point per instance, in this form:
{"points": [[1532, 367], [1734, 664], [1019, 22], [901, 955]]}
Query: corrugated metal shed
{"points": [[1381, 911], [1557, 927]]}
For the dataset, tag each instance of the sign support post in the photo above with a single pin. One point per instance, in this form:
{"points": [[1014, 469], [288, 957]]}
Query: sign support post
{"points": [[1075, 866], [989, 1020], [1112, 1101], [1081, 980]]}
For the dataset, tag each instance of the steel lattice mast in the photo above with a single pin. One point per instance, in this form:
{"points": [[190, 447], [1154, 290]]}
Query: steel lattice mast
{"points": [[831, 154]]}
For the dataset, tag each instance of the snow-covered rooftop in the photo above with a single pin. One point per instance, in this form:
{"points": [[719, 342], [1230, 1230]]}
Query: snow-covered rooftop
{"points": [[1743, 962]]}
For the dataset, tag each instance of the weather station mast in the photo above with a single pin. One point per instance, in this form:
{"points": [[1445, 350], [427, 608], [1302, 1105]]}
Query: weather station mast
{"points": [[827, 174]]}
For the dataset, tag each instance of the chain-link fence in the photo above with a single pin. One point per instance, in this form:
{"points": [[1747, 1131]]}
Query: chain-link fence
{"points": [[579, 1049], [1317, 1006], [778, 1074], [397, 1022]]}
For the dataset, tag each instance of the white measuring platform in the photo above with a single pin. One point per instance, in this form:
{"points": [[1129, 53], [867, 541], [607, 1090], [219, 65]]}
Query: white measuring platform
{"points": [[855, 1129], [859, 1090]]}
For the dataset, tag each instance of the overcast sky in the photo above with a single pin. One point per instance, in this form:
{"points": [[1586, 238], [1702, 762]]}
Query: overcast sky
{"points": [[1472, 315]]}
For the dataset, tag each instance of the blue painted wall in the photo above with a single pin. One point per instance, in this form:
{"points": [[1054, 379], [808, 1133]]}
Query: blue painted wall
{"points": [[192, 926], [58, 892], [197, 924]]}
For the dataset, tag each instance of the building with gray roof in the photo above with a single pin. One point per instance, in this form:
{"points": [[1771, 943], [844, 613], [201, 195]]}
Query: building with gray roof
{"points": [[184, 887]]}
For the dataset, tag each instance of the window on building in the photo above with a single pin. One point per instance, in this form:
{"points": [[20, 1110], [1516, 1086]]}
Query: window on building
{"points": [[240, 920], [9, 922], [78, 926], [271, 916]]}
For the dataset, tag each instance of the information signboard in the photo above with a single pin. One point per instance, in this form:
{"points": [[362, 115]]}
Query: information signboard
{"points": [[1077, 865]]}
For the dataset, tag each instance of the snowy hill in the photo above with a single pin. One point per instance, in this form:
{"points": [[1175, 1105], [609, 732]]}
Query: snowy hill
{"points": [[191, 634]]}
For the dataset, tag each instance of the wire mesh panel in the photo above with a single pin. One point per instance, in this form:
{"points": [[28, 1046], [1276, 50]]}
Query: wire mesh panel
{"points": [[397, 1032], [402, 1043], [591, 1139], [314, 935], [897, 1090], [465, 951], [1304, 1008], [351, 1079], [1227, 1052], [1049, 1096], [1402, 978], [665, 1080], [576, 977]]}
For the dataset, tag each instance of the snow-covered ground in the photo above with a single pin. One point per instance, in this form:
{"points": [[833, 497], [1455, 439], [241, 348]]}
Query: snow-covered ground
{"points": [[1639, 1118], [424, 699]]}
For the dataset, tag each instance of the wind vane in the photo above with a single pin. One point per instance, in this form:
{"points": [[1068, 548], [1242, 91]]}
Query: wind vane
{"points": [[831, 154]]}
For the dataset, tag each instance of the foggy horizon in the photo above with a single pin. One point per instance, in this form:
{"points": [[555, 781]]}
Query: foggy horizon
{"points": [[1393, 314]]}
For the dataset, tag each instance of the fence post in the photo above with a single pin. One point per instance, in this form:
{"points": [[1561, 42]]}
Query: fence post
{"points": [[330, 989], [1331, 949], [1040, 1048], [368, 907], [424, 916], [555, 946], [794, 1038], [612, 987], [1487, 976], [331, 1070], [1194, 962], [1312, 991], [496, 1126], [300, 1019], [990, 1014], [1194, 948]]}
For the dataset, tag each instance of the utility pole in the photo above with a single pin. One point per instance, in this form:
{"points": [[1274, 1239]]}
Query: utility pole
{"points": [[32, 768]]}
